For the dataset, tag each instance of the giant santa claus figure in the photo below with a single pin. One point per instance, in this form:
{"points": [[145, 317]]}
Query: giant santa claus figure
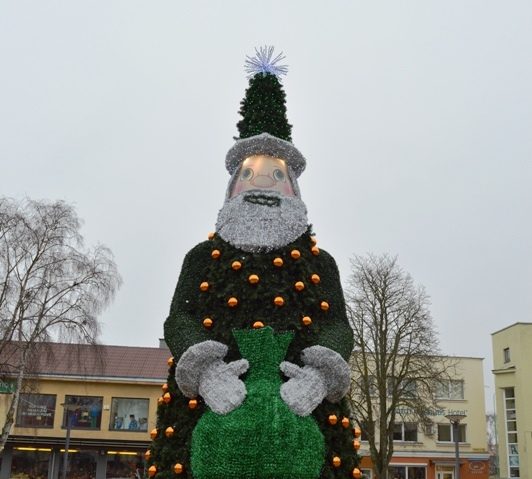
{"points": [[257, 326]]}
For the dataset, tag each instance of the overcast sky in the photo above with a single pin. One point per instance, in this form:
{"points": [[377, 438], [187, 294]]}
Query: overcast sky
{"points": [[415, 118]]}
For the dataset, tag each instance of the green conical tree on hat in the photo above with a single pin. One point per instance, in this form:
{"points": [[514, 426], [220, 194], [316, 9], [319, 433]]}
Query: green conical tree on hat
{"points": [[263, 109]]}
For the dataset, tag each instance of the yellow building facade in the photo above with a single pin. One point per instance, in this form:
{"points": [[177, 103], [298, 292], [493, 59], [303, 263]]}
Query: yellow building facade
{"points": [[108, 407], [512, 368], [423, 452], [105, 401]]}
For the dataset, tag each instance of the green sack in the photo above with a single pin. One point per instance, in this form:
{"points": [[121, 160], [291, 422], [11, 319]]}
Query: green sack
{"points": [[261, 439]]}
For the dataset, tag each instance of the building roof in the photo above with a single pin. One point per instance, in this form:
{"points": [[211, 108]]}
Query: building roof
{"points": [[511, 326], [102, 362]]}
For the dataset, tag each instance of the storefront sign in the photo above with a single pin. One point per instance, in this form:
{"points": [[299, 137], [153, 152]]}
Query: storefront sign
{"points": [[7, 387]]}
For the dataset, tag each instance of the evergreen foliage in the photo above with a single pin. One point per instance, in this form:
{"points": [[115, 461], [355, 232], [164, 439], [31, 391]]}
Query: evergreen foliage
{"points": [[184, 327], [263, 108]]}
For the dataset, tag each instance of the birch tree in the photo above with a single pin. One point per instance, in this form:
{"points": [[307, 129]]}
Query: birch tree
{"points": [[52, 287]]}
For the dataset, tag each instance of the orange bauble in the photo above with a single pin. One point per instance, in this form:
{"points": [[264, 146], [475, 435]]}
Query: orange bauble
{"points": [[153, 433], [315, 250], [278, 262], [299, 285], [313, 240], [208, 322], [193, 404], [147, 455], [152, 471], [232, 302], [178, 468], [215, 253], [315, 278], [169, 431], [295, 254], [167, 398], [356, 444], [307, 321], [332, 419], [357, 432], [278, 301], [164, 387], [345, 422], [211, 235], [236, 265], [170, 361], [258, 324], [204, 286], [324, 305], [253, 279], [356, 473], [336, 461], [160, 400]]}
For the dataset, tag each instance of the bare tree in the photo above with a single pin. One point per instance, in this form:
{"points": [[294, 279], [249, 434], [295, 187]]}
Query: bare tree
{"points": [[51, 287], [396, 363]]}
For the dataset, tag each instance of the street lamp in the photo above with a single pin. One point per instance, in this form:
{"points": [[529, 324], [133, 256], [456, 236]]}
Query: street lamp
{"points": [[68, 408], [455, 421]]}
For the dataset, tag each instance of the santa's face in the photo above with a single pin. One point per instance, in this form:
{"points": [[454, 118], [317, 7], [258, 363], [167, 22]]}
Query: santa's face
{"points": [[265, 173], [261, 211]]}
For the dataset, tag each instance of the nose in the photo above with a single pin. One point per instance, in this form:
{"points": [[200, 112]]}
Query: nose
{"points": [[263, 181]]}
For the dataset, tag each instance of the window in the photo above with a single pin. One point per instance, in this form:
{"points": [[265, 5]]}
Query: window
{"points": [[129, 414], [366, 473], [363, 434], [123, 465], [511, 430], [445, 433], [405, 431], [406, 388], [36, 410], [451, 389], [33, 463], [506, 353], [83, 412], [407, 472]]}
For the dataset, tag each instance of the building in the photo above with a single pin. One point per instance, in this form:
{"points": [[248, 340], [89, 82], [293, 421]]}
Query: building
{"points": [[428, 452], [512, 368], [109, 398], [104, 398]]}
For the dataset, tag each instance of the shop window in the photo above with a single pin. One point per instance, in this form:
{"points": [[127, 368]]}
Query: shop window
{"points": [[446, 433], [415, 472], [30, 463], [451, 389], [366, 473], [129, 414], [407, 472], [405, 431], [83, 412], [81, 464], [36, 410], [124, 464]]}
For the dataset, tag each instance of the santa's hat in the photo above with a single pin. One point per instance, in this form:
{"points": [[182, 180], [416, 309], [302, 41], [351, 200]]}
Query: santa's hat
{"points": [[264, 128]]}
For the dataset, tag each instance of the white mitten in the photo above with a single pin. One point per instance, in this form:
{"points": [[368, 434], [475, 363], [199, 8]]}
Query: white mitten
{"points": [[304, 390], [200, 370], [325, 375]]}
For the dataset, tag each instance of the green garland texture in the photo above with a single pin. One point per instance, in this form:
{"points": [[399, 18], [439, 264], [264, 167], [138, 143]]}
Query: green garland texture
{"points": [[191, 306], [263, 109]]}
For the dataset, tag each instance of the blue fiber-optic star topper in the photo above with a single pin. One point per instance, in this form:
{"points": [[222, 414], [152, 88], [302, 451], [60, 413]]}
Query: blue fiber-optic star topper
{"points": [[263, 63]]}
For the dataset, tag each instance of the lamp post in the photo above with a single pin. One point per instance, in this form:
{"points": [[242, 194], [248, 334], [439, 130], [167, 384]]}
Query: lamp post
{"points": [[455, 419], [68, 408]]}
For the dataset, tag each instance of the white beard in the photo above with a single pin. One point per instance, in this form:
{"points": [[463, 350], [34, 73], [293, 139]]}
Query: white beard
{"points": [[252, 226]]}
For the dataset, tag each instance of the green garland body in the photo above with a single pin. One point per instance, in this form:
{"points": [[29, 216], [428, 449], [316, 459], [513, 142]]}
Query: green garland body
{"points": [[185, 327]]}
